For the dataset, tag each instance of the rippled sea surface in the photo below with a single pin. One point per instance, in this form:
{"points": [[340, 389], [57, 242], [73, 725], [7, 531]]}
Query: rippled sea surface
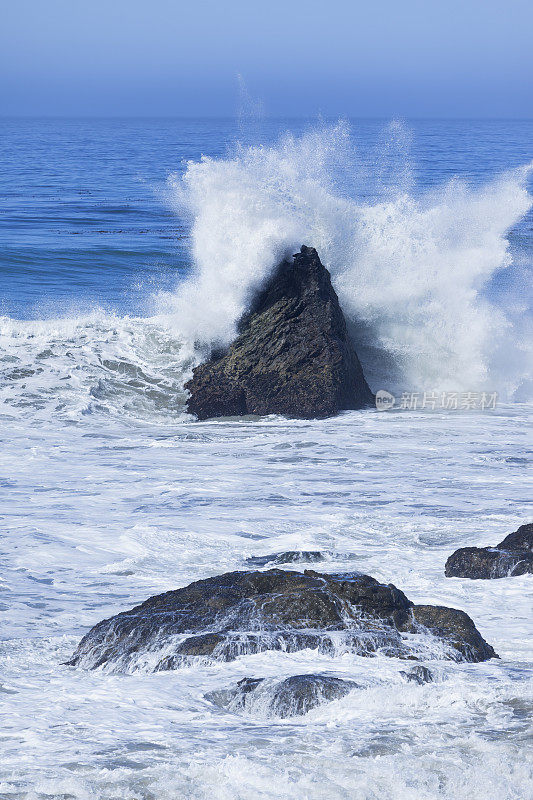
{"points": [[111, 493]]}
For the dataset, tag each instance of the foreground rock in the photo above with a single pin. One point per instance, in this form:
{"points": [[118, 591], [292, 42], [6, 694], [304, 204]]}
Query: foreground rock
{"points": [[291, 697], [249, 612], [513, 556], [293, 355]]}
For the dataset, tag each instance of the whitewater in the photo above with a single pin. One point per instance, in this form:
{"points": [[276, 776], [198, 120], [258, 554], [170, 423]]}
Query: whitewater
{"points": [[112, 493]]}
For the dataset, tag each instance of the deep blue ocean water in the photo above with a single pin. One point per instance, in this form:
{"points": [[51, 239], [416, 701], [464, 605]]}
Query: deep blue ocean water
{"points": [[85, 220]]}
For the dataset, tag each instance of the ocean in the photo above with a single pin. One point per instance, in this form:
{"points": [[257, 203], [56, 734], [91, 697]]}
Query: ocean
{"points": [[128, 250]]}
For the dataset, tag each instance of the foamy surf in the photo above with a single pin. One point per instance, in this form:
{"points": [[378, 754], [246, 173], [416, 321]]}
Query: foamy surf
{"points": [[100, 363], [102, 516]]}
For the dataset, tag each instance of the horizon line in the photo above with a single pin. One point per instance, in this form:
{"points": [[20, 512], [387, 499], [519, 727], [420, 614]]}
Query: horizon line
{"points": [[269, 118]]}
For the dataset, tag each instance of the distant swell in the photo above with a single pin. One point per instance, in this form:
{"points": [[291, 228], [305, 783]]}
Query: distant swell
{"points": [[410, 269]]}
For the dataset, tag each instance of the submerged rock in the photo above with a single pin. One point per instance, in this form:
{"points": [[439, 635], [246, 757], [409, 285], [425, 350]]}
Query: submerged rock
{"points": [[291, 697], [418, 674], [293, 355], [249, 612], [288, 557], [513, 556]]}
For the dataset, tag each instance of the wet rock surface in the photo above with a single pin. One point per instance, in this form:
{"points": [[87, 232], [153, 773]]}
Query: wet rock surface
{"points": [[512, 556], [239, 613], [293, 355], [290, 697], [453, 626]]}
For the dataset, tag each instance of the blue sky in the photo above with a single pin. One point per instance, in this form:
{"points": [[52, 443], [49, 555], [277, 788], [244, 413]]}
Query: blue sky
{"points": [[377, 58]]}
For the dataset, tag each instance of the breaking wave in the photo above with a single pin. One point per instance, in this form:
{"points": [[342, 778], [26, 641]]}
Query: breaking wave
{"points": [[410, 269], [414, 271]]}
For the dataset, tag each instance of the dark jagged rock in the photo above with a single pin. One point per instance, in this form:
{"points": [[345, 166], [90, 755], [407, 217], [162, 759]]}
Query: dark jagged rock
{"points": [[521, 539], [293, 355], [487, 562], [291, 697], [513, 556], [289, 557], [249, 612], [418, 674]]}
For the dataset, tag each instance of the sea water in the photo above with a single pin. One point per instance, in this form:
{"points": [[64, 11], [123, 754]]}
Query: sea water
{"points": [[129, 249]]}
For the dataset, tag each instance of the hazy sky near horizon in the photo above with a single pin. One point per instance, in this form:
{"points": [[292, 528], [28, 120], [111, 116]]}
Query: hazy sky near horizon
{"points": [[410, 58]]}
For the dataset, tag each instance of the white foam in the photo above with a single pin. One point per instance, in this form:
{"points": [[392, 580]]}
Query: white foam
{"points": [[409, 268], [100, 515]]}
